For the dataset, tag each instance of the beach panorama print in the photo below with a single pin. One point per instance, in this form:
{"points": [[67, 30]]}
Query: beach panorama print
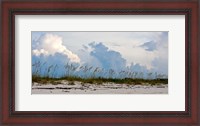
{"points": [[95, 62]]}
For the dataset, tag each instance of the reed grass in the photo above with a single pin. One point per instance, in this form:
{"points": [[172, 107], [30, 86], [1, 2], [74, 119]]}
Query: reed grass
{"points": [[93, 75]]}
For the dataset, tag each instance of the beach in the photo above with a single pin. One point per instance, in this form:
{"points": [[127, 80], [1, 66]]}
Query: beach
{"points": [[67, 87]]}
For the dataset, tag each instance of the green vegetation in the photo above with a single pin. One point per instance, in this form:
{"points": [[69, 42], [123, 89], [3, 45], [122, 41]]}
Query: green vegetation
{"points": [[45, 80], [92, 75]]}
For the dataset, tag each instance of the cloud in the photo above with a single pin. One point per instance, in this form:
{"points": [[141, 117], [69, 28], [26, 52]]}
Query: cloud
{"points": [[117, 50], [108, 59], [38, 52], [85, 47], [122, 42], [49, 44], [87, 59], [160, 65], [149, 46], [138, 68], [57, 60]]}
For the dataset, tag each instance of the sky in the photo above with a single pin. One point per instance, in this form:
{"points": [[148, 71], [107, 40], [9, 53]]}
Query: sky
{"points": [[137, 51]]}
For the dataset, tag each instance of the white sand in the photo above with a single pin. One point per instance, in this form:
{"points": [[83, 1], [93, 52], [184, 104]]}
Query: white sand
{"points": [[64, 87]]}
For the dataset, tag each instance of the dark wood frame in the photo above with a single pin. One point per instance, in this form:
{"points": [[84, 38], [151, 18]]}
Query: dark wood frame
{"points": [[10, 8]]}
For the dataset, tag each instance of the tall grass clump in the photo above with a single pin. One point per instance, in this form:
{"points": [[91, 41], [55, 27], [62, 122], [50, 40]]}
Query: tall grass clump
{"points": [[43, 73]]}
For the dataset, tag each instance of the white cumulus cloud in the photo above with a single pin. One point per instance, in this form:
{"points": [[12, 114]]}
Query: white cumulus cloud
{"points": [[38, 52], [49, 44]]}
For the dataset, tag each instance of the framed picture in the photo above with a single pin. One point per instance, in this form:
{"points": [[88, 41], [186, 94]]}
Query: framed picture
{"points": [[100, 63]]}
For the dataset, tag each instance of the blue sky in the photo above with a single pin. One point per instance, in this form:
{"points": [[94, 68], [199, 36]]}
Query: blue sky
{"points": [[140, 51]]}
